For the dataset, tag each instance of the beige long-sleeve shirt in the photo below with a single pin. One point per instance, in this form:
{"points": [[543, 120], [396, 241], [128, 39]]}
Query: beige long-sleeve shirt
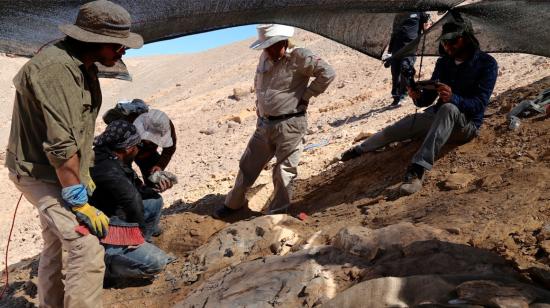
{"points": [[281, 85]]}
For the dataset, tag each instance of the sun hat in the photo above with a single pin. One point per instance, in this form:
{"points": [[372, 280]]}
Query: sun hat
{"points": [[271, 34], [103, 21], [154, 126]]}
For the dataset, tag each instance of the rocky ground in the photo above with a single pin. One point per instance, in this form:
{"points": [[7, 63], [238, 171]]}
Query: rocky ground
{"points": [[477, 234]]}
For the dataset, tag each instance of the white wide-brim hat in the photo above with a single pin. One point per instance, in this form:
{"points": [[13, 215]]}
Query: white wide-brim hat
{"points": [[154, 126], [271, 34]]}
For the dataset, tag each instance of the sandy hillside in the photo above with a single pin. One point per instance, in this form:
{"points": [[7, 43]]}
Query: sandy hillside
{"points": [[213, 125]]}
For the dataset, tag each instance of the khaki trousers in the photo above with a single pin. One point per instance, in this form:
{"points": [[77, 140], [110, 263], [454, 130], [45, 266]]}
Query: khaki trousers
{"points": [[82, 285], [282, 139]]}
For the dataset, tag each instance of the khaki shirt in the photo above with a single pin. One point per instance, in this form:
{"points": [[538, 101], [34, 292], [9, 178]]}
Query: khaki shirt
{"points": [[281, 85], [56, 104]]}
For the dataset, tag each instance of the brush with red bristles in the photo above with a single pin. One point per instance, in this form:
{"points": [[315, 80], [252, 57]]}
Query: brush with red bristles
{"points": [[120, 233]]}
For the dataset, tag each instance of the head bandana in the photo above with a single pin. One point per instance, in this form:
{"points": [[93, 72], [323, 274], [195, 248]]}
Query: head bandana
{"points": [[118, 135]]}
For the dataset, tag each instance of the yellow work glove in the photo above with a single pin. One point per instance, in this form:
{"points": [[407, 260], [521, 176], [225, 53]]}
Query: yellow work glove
{"points": [[94, 219], [91, 185]]}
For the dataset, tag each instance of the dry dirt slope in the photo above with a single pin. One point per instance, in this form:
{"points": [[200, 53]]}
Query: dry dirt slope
{"points": [[502, 209], [497, 217]]}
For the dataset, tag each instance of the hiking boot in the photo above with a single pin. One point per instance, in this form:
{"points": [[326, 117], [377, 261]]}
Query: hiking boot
{"points": [[158, 231], [412, 182], [224, 212], [396, 102], [351, 154]]}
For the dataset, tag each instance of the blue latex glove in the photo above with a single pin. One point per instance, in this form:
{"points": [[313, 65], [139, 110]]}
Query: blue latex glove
{"points": [[75, 195]]}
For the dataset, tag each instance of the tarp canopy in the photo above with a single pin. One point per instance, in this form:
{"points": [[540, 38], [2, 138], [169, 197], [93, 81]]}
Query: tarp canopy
{"points": [[365, 25]]}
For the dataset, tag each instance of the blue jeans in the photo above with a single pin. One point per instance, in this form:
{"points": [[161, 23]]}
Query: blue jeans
{"points": [[140, 262], [151, 213]]}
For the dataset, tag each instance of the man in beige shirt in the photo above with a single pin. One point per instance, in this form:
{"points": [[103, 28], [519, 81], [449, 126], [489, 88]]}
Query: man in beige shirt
{"points": [[283, 92], [50, 152]]}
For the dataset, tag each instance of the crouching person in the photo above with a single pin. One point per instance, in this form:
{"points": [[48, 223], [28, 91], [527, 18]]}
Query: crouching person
{"points": [[156, 131], [465, 79], [123, 197]]}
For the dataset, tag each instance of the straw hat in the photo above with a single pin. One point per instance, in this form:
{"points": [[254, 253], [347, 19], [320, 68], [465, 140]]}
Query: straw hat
{"points": [[103, 21], [271, 34]]}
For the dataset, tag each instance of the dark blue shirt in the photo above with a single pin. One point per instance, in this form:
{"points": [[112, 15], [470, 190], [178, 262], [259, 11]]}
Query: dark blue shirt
{"points": [[406, 28], [472, 83]]}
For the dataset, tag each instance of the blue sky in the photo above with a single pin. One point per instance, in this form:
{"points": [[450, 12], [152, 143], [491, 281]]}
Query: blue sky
{"points": [[195, 43]]}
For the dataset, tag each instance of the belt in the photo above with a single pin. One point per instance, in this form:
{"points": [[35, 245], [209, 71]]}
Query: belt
{"points": [[286, 116]]}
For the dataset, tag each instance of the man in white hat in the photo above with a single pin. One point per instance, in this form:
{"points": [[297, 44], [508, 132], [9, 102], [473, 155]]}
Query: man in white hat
{"points": [[50, 152], [283, 92], [156, 130]]}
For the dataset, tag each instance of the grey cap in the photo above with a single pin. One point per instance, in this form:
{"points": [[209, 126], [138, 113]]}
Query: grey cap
{"points": [[103, 21], [154, 126], [455, 28]]}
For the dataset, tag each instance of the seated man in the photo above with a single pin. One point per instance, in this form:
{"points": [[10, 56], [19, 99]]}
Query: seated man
{"points": [[119, 192], [156, 130], [466, 77]]}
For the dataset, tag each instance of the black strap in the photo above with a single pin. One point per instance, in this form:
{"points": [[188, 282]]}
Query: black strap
{"points": [[286, 116]]}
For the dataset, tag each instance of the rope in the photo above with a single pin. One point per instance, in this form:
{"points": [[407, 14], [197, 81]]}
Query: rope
{"points": [[8, 247], [419, 73]]}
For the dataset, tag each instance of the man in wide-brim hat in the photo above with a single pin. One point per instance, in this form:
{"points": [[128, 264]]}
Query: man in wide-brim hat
{"points": [[49, 152], [283, 92]]}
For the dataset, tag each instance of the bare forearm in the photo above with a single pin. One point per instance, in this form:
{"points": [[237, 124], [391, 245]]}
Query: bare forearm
{"points": [[69, 172]]}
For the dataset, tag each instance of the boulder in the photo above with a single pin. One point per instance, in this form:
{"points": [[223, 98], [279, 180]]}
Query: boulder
{"points": [[240, 93], [362, 136], [367, 243], [238, 118], [393, 292], [495, 294], [246, 240], [544, 233], [295, 280], [458, 181], [540, 275], [209, 131], [438, 257], [491, 181], [234, 118], [437, 291]]}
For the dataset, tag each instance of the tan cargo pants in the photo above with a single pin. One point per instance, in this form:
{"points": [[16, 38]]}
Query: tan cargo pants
{"points": [[82, 285], [282, 139]]}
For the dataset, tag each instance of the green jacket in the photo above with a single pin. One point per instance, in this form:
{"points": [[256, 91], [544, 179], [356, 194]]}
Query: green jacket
{"points": [[56, 104]]}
